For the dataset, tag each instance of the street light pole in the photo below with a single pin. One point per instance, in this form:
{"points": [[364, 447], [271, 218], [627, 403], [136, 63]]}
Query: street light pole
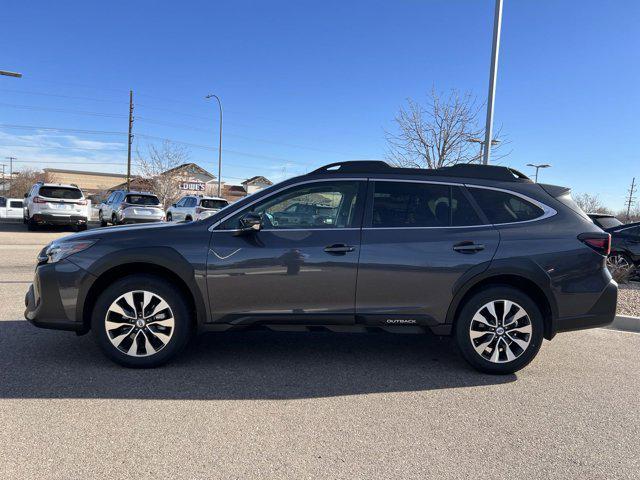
{"points": [[538, 166], [219, 145], [481, 142], [493, 73]]}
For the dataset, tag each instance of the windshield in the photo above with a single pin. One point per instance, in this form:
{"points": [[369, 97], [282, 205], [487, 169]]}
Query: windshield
{"points": [[607, 222], [211, 203], [148, 200], [61, 193]]}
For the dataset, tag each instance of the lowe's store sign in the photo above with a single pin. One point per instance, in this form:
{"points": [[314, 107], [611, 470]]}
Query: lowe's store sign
{"points": [[192, 186]]}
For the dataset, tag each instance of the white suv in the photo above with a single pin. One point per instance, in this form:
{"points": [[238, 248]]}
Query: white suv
{"points": [[130, 207], [195, 207], [55, 204]]}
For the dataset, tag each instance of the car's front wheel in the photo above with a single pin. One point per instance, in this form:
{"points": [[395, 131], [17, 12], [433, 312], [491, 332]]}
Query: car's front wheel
{"points": [[141, 321], [499, 330]]}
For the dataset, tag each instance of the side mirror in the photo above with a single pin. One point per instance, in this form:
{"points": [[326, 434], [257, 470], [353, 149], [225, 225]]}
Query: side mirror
{"points": [[250, 222], [26, 195], [173, 205]]}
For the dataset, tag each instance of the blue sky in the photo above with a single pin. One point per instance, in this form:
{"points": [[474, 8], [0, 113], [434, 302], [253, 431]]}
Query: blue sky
{"points": [[306, 83]]}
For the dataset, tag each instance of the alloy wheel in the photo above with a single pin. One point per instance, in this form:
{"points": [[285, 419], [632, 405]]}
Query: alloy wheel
{"points": [[618, 262], [500, 331], [139, 323]]}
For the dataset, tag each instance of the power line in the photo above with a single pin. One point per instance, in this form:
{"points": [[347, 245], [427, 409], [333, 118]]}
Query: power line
{"points": [[57, 95], [61, 147], [58, 129], [63, 110]]}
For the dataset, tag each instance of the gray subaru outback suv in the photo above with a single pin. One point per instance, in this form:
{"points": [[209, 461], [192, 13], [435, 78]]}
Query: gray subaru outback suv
{"points": [[480, 253]]}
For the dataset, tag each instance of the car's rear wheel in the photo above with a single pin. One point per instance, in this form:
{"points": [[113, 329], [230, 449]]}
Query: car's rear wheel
{"points": [[188, 219], [169, 217], [499, 330], [103, 222], [114, 219], [619, 261], [31, 224], [141, 321]]}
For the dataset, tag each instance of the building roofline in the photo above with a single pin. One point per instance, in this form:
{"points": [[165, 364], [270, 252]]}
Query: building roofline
{"points": [[86, 172]]}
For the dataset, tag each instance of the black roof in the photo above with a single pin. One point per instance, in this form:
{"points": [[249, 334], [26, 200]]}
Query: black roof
{"points": [[467, 170]]}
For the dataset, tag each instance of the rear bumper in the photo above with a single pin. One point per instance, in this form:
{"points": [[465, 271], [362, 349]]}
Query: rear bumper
{"points": [[58, 219], [141, 220], [602, 313]]}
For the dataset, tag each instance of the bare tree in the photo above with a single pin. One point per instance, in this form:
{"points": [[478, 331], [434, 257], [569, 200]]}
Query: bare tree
{"points": [[22, 181], [591, 203], [437, 134], [158, 168]]}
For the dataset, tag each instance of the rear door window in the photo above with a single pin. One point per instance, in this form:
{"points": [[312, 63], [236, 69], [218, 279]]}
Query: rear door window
{"points": [[15, 204], [503, 207], [62, 193], [406, 204]]}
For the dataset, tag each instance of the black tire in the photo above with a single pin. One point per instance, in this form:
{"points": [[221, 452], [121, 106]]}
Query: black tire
{"points": [[173, 296], [169, 217], [114, 219], [523, 356], [103, 222], [188, 219]]}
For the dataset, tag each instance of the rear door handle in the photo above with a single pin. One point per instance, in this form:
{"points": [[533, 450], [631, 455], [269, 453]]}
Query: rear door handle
{"points": [[339, 248], [468, 247]]}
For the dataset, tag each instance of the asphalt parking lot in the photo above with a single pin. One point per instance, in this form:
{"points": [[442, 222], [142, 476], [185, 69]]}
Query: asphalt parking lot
{"points": [[269, 405]]}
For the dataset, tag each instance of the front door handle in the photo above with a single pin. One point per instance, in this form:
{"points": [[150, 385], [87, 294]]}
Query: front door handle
{"points": [[339, 248], [468, 247]]}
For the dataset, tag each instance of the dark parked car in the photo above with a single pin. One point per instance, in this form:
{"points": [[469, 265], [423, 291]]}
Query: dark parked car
{"points": [[605, 220], [477, 252], [625, 245]]}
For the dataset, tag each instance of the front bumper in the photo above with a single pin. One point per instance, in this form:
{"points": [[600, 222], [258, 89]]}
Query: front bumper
{"points": [[59, 219], [52, 299], [602, 313]]}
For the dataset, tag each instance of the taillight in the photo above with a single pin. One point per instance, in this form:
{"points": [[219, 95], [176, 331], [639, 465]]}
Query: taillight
{"points": [[199, 210], [123, 205], [82, 202], [39, 200], [600, 242]]}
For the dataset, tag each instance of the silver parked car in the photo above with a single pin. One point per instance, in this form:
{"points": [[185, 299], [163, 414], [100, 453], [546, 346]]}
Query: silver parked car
{"points": [[195, 207], [130, 207]]}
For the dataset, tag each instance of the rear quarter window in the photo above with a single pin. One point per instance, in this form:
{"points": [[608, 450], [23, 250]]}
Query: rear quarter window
{"points": [[142, 200], [63, 193], [503, 207], [210, 203]]}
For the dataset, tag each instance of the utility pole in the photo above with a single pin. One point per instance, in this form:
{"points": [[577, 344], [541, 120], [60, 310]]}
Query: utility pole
{"points": [[631, 199], [493, 73], [130, 139], [11, 159], [4, 186]]}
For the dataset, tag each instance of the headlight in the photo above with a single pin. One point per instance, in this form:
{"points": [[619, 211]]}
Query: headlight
{"points": [[57, 251]]}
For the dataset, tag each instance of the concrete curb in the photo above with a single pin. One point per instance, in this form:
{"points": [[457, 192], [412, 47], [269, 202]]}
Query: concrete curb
{"points": [[626, 323]]}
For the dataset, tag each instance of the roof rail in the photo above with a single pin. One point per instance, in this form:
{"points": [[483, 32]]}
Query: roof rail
{"points": [[465, 170], [355, 166], [485, 172]]}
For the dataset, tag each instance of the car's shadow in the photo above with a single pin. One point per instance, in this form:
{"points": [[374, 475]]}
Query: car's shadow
{"points": [[18, 226], [241, 365]]}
